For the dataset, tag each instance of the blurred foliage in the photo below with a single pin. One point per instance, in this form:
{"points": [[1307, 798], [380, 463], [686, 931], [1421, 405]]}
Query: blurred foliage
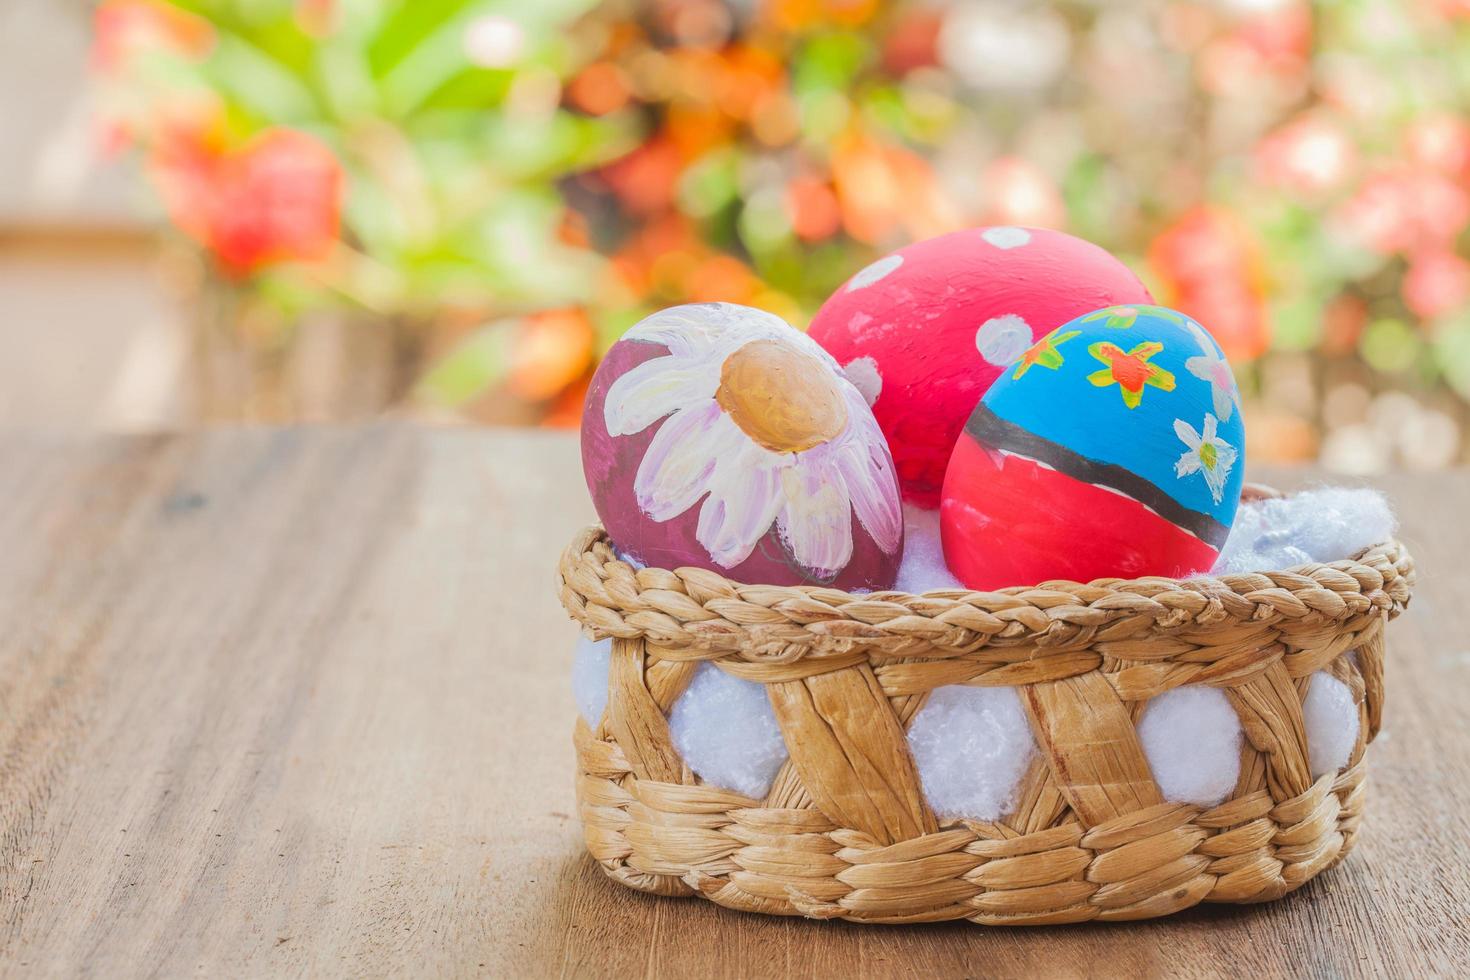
{"points": [[523, 180]]}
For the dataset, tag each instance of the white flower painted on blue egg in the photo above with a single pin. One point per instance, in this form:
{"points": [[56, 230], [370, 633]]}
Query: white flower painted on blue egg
{"points": [[1213, 369], [1207, 454]]}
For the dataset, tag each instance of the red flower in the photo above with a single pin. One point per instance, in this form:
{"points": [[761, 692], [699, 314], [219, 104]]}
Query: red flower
{"points": [[1308, 156], [1437, 282], [1211, 268], [1440, 141], [1403, 208], [276, 199], [647, 179]]}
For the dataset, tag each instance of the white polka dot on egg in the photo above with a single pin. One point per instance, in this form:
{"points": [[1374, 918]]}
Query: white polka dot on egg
{"points": [[1002, 340], [874, 272], [1006, 236], [863, 373]]}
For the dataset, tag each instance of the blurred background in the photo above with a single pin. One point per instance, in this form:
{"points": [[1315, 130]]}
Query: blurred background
{"points": [[284, 210]]}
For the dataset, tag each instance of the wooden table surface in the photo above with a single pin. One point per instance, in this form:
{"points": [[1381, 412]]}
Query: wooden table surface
{"points": [[297, 702]]}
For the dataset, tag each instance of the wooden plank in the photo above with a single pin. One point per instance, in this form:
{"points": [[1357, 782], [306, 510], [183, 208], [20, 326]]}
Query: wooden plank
{"points": [[296, 702]]}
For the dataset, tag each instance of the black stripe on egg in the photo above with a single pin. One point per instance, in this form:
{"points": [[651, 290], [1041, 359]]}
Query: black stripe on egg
{"points": [[989, 429]]}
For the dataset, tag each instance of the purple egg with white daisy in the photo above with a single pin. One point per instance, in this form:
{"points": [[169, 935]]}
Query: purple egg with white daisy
{"points": [[719, 436]]}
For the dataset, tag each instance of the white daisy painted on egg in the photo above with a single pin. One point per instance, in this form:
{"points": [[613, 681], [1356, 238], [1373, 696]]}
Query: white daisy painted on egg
{"points": [[1207, 454], [761, 428], [1213, 369]]}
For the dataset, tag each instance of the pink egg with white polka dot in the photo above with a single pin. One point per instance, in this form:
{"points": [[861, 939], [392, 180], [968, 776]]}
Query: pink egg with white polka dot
{"points": [[924, 331]]}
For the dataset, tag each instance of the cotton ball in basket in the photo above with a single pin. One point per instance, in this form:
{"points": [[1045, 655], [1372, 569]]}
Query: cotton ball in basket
{"points": [[971, 746], [590, 666], [719, 436], [922, 568], [1111, 448], [725, 730], [1191, 738], [923, 332], [1331, 718]]}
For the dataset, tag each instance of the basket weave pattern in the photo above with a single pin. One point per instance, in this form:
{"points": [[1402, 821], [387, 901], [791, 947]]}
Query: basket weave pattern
{"points": [[845, 832]]}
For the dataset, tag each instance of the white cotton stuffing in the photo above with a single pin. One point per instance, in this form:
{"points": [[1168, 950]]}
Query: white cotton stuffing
{"points": [[590, 664], [1331, 717], [1191, 737], [922, 567], [1326, 524], [971, 746], [726, 731]]}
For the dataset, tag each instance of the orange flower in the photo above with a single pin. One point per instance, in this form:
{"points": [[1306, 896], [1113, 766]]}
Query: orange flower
{"points": [[599, 88], [1210, 267], [645, 260], [645, 180], [750, 75], [798, 15], [566, 410], [813, 208], [553, 350], [881, 188], [721, 279]]}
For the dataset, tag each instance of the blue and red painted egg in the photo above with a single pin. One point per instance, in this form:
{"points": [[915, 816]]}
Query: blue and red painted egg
{"points": [[1111, 448], [924, 332], [719, 436]]}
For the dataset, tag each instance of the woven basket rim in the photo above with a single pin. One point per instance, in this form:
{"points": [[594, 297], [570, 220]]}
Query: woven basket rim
{"points": [[707, 616]]}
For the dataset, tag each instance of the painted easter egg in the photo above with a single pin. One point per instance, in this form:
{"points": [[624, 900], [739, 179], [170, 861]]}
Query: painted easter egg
{"points": [[719, 436], [925, 331], [1112, 447]]}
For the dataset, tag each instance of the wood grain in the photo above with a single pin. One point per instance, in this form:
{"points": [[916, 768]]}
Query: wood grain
{"points": [[295, 702]]}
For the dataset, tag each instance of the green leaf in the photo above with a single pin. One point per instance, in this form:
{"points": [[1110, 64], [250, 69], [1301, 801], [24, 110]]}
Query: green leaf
{"points": [[249, 77], [1452, 354], [480, 362], [1390, 345]]}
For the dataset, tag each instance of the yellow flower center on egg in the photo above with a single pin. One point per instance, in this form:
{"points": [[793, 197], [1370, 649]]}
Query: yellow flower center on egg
{"points": [[785, 400], [1208, 456]]}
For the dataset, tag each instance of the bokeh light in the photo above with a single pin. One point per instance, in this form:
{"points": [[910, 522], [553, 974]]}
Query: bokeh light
{"points": [[507, 187]]}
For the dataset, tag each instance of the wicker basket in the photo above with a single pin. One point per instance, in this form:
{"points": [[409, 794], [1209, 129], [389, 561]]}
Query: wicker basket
{"points": [[845, 832]]}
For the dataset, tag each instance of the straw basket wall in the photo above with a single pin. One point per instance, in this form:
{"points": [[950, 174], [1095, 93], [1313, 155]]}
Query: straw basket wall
{"points": [[845, 832]]}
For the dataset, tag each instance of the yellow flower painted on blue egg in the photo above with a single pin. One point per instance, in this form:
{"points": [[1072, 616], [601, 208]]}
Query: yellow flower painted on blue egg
{"points": [[1130, 370]]}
